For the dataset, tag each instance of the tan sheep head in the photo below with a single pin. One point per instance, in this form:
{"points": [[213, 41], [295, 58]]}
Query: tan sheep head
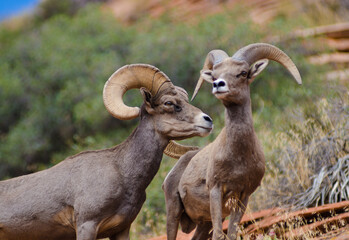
{"points": [[172, 115], [246, 63]]}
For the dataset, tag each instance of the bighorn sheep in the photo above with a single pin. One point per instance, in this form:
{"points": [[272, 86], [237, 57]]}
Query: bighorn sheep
{"points": [[207, 185], [97, 194]]}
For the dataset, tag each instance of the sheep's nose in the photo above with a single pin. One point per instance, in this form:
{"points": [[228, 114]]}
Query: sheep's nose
{"points": [[219, 83], [207, 118], [220, 86]]}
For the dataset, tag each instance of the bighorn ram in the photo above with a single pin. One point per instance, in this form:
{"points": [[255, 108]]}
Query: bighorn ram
{"points": [[207, 185], [97, 194]]}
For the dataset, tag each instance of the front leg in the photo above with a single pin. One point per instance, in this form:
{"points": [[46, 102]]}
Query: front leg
{"points": [[216, 212], [86, 230], [236, 214], [203, 231], [123, 235]]}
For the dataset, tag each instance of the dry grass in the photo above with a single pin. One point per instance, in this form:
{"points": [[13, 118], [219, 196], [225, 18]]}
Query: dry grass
{"points": [[299, 225], [311, 158], [330, 185]]}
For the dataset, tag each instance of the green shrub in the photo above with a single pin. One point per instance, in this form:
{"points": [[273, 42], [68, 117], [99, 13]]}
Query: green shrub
{"points": [[54, 78]]}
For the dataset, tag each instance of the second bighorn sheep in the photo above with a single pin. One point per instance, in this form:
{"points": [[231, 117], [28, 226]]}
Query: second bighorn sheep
{"points": [[208, 185], [98, 194]]}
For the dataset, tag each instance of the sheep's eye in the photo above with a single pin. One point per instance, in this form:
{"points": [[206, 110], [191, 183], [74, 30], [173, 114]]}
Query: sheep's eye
{"points": [[168, 103], [242, 74]]}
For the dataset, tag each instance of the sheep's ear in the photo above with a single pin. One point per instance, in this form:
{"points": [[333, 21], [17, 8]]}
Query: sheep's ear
{"points": [[207, 75], [256, 69], [147, 98]]}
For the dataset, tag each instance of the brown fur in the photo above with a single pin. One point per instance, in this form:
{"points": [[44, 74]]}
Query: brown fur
{"points": [[208, 185], [99, 193]]}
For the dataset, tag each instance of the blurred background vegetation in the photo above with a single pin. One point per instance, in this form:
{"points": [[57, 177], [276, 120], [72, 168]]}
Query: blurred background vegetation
{"points": [[55, 61]]}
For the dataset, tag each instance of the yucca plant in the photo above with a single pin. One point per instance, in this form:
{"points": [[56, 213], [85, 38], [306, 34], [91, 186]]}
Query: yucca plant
{"points": [[328, 157], [309, 163], [330, 185]]}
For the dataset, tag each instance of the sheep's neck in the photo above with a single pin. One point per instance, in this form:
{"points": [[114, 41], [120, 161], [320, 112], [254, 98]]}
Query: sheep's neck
{"points": [[239, 115], [143, 154], [239, 127], [240, 150]]}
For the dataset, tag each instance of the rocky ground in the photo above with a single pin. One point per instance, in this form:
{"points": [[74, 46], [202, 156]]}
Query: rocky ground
{"points": [[329, 221]]}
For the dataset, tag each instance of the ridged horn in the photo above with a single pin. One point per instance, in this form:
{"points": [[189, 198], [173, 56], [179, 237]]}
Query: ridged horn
{"points": [[126, 78], [176, 150], [212, 58], [257, 51]]}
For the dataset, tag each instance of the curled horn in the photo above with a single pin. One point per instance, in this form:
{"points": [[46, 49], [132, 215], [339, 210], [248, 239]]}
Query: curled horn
{"points": [[137, 76], [129, 77], [176, 150], [257, 51], [212, 58]]}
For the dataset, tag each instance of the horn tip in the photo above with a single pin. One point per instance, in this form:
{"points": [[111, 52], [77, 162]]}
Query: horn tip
{"points": [[192, 98], [298, 79]]}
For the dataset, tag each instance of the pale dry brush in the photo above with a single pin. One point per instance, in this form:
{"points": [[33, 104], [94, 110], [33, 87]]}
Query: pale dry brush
{"points": [[316, 140]]}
